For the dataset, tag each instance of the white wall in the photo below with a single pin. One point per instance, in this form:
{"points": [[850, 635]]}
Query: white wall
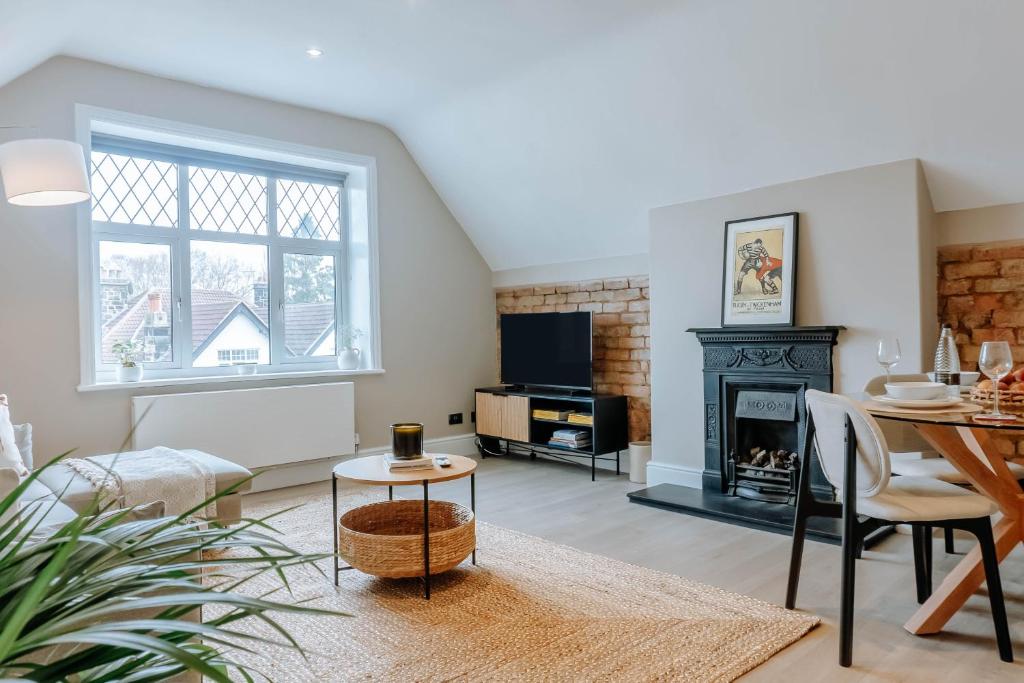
{"points": [[571, 271], [437, 310], [859, 265], [1000, 223]]}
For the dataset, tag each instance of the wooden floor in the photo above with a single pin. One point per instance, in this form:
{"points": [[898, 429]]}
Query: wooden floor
{"points": [[559, 502]]}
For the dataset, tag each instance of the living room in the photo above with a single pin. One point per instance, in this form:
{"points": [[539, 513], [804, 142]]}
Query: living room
{"points": [[490, 341]]}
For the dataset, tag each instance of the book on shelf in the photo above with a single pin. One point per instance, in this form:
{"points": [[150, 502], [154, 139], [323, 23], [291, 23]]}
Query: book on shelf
{"points": [[424, 462], [581, 419], [544, 414], [573, 438]]}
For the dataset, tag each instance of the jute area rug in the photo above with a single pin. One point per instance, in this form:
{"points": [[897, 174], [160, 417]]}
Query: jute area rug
{"points": [[530, 611]]}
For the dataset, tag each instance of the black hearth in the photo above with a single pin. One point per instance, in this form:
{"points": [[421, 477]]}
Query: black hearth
{"points": [[754, 424]]}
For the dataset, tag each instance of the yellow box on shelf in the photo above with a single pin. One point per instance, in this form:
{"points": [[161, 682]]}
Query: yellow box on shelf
{"points": [[542, 414], [581, 418]]}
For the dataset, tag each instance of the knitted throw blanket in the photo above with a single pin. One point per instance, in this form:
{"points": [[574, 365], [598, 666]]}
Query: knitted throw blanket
{"points": [[177, 478]]}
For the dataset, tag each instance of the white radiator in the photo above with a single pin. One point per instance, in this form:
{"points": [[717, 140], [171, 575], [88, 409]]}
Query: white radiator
{"points": [[252, 427]]}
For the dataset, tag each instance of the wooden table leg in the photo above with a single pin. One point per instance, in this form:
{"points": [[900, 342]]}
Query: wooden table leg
{"points": [[959, 446], [961, 583]]}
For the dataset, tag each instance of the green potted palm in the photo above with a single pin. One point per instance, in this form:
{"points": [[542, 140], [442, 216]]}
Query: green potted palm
{"points": [[71, 595], [128, 369]]}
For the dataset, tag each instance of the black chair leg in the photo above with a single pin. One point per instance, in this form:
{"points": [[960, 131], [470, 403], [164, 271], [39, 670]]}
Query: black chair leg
{"points": [[796, 554], [851, 542], [920, 562], [926, 539], [804, 505], [950, 550], [983, 530]]}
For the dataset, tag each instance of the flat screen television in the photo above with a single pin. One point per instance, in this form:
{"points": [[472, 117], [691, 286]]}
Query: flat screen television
{"points": [[547, 350]]}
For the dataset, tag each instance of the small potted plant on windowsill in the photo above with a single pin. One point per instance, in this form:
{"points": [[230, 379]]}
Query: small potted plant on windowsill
{"points": [[349, 356], [128, 369]]}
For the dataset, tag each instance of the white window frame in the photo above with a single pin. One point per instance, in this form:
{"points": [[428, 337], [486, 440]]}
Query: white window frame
{"points": [[360, 185]]}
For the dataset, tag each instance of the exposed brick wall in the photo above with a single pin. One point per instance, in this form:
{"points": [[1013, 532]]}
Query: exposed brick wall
{"points": [[622, 333], [981, 295]]}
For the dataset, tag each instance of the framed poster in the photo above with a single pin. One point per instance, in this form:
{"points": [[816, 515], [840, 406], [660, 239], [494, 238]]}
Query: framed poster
{"points": [[759, 280]]}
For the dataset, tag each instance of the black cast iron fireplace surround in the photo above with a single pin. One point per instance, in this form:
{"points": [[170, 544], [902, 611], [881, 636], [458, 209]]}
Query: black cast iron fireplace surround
{"points": [[754, 384]]}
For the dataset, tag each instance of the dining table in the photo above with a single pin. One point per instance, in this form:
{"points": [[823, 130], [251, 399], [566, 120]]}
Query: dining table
{"points": [[969, 444]]}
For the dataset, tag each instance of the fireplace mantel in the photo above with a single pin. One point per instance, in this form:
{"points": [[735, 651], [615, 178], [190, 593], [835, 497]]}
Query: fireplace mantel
{"points": [[806, 350]]}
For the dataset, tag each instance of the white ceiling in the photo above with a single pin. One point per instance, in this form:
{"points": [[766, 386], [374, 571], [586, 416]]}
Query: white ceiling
{"points": [[550, 127]]}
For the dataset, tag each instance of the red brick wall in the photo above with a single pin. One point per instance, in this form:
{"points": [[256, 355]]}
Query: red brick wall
{"points": [[622, 333], [981, 295]]}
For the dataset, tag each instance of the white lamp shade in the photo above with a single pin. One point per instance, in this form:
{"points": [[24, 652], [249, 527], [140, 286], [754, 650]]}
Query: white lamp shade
{"points": [[43, 172]]}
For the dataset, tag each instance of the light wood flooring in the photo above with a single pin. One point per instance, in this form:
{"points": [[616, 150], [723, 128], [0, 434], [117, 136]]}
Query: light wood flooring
{"points": [[559, 502]]}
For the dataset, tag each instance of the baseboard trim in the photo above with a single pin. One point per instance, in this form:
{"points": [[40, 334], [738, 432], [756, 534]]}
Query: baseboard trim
{"points": [[309, 471], [664, 473]]}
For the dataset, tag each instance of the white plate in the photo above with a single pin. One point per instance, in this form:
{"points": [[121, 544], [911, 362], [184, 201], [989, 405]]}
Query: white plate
{"points": [[930, 403]]}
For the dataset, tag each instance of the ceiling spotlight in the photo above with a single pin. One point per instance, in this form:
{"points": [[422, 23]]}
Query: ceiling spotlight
{"points": [[315, 52]]}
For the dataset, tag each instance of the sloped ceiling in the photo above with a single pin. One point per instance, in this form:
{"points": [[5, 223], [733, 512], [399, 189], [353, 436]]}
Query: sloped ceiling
{"points": [[550, 127]]}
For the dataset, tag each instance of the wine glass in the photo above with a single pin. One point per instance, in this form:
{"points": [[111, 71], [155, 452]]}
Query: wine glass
{"points": [[996, 362], [889, 354]]}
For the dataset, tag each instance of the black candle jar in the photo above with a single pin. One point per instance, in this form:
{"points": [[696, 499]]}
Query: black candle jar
{"points": [[407, 440]]}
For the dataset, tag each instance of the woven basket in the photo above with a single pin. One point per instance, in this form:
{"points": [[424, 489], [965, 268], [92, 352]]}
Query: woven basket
{"points": [[1009, 401], [386, 539]]}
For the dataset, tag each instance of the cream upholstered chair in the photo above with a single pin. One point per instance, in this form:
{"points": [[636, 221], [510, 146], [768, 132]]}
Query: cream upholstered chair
{"points": [[920, 459], [855, 459]]}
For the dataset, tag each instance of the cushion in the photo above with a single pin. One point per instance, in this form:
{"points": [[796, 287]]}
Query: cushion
{"points": [[23, 439], [942, 469], [40, 503], [10, 456], [77, 492], [922, 499]]}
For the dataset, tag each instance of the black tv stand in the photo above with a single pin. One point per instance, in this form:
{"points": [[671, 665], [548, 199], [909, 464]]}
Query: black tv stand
{"points": [[506, 413]]}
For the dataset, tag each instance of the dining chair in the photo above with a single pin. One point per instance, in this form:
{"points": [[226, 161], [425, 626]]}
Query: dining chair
{"points": [[921, 459], [854, 458]]}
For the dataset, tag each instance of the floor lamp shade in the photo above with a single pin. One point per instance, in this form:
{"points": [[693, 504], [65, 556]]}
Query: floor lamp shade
{"points": [[43, 172]]}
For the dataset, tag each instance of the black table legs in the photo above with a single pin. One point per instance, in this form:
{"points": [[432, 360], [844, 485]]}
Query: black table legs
{"points": [[334, 525], [426, 540], [426, 527], [338, 569], [472, 505]]}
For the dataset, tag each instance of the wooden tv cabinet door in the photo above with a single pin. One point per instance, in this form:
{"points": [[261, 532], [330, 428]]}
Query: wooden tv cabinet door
{"points": [[488, 414], [506, 417], [515, 418]]}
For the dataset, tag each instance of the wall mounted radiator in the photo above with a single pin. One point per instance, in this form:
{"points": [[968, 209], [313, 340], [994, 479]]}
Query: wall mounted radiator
{"points": [[252, 427]]}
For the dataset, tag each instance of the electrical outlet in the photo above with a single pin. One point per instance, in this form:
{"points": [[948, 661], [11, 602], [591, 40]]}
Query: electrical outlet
{"points": [[455, 419]]}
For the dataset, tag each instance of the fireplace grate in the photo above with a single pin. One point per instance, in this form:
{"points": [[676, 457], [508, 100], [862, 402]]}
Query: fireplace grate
{"points": [[769, 476]]}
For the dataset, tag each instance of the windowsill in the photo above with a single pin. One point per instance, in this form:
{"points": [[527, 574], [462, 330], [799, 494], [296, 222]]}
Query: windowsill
{"points": [[223, 379]]}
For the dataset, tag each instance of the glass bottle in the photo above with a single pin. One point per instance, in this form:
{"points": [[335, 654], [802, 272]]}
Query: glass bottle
{"points": [[947, 360]]}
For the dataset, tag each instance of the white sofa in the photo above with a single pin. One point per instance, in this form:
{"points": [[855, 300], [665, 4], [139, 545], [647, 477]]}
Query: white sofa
{"points": [[66, 492]]}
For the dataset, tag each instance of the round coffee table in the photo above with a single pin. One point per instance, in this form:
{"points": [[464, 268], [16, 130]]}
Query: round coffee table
{"points": [[373, 470]]}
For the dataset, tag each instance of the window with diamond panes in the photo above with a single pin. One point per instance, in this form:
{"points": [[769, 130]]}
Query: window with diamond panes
{"points": [[226, 201], [245, 237], [134, 190], [308, 210]]}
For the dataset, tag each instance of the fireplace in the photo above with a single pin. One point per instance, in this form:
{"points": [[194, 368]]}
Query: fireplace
{"points": [[754, 422], [763, 462], [754, 384]]}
